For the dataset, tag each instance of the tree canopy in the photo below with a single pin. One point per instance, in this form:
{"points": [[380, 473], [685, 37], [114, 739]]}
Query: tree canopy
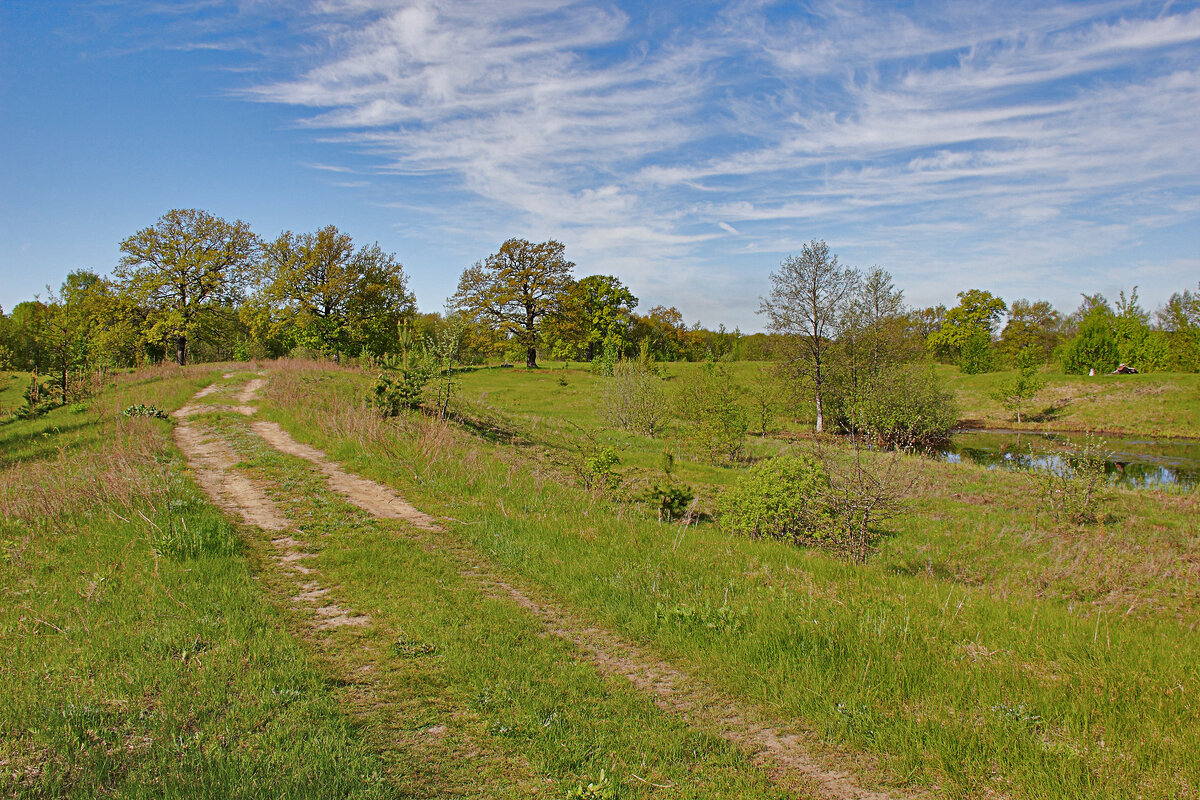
{"points": [[185, 268], [516, 288]]}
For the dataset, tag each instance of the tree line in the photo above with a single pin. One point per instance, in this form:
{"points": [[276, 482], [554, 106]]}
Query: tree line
{"points": [[195, 287]]}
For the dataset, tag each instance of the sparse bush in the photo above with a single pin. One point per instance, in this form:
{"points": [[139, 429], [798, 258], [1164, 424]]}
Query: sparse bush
{"points": [[1076, 484], [783, 498], [634, 399], [710, 401], [1018, 391]]}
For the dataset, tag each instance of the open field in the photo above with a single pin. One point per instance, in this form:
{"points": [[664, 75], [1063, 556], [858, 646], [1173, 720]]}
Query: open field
{"points": [[1154, 404], [538, 632]]}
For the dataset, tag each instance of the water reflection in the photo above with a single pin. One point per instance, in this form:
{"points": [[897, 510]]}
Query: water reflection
{"points": [[1135, 463]]}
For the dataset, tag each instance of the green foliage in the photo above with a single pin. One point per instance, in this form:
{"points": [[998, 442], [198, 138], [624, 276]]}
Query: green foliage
{"points": [[599, 468], [207, 534], [781, 498], [1018, 391], [903, 407], [141, 410], [976, 355], [1094, 347], [977, 312], [669, 500], [515, 289], [710, 400], [601, 789], [402, 384], [185, 268], [1076, 487]]}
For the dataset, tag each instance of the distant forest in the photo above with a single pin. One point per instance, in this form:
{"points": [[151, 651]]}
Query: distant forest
{"points": [[194, 288]]}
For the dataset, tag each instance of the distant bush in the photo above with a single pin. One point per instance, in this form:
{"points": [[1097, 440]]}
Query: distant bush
{"points": [[670, 500], [712, 403], [783, 498], [634, 399]]}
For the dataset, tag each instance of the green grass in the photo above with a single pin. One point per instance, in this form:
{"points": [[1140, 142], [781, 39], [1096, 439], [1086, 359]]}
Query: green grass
{"points": [[137, 655], [980, 651], [1155, 404]]}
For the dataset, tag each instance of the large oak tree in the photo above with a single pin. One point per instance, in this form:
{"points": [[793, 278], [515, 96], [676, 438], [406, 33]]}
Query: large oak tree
{"points": [[516, 288], [188, 267], [334, 298]]}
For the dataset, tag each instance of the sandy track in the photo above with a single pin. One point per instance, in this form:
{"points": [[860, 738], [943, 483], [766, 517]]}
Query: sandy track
{"points": [[212, 460], [785, 755], [366, 494]]}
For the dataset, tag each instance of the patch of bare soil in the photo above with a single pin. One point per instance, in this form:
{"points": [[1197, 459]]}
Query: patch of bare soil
{"points": [[250, 390], [367, 495], [786, 755], [213, 460]]}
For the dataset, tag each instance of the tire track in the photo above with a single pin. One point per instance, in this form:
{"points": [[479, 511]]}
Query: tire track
{"points": [[784, 754]]}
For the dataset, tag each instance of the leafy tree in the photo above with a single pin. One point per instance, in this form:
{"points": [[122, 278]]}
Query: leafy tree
{"points": [[1094, 346], [805, 303], [185, 268], [1137, 344], [516, 288], [1179, 319], [975, 355], [1033, 325], [596, 310], [927, 320], [1016, 392], [663, 331], [977, 312], [25, 337], [334, 298]]}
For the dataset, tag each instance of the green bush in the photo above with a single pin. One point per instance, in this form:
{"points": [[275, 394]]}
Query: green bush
{"points": [[783, 498], [669, 500], [977, 356], [903, 407]]}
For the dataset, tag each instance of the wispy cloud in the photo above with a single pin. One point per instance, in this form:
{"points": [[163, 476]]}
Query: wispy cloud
{"points": [[941, 135]]}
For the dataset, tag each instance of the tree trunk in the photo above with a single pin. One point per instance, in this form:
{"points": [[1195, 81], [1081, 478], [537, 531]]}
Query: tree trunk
{"points": [[820, 416], [181, 351], [531, 358]]}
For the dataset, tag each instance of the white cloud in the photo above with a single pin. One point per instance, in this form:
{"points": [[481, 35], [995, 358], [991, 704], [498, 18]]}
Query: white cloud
{"points": [[1070, 128]]}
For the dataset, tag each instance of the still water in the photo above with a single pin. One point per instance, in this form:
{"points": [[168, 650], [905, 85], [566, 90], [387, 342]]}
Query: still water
{"points": [[1141, 463]]}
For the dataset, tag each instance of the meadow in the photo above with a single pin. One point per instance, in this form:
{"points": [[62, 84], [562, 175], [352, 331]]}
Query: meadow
{"points": [[984, 650]]}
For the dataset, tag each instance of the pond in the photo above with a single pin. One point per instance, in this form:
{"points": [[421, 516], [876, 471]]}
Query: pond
{"points": [[1140, 463]]}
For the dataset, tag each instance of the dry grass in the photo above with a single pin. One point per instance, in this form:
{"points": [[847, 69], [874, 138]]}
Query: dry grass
{"points": [[125, 473]]}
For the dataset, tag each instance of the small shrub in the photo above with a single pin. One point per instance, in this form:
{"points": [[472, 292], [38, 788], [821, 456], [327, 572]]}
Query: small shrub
{"points": [[782, 498], [141, 410], [710, 401], [670, 500], [1077, 486], [599, 469], [977, 356], [634, 399], [1019, 391]]}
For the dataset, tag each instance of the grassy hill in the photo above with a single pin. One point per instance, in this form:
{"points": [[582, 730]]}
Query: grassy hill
{"points": [[155, 644]]}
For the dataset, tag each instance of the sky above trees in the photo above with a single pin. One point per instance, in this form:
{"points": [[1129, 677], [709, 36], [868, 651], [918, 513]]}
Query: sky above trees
{"points": [[1031, 149]]}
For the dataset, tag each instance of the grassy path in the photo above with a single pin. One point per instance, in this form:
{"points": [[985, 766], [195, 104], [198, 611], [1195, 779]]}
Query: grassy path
{"points": [[301, 575], [945, 685]]}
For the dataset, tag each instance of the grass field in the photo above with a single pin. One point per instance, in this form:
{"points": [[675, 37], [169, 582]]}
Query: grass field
{"points": [[984, 651], [1155, 404]]}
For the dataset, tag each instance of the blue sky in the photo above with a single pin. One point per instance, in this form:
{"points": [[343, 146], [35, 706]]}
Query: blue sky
{"points": [[1033, 149]]}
